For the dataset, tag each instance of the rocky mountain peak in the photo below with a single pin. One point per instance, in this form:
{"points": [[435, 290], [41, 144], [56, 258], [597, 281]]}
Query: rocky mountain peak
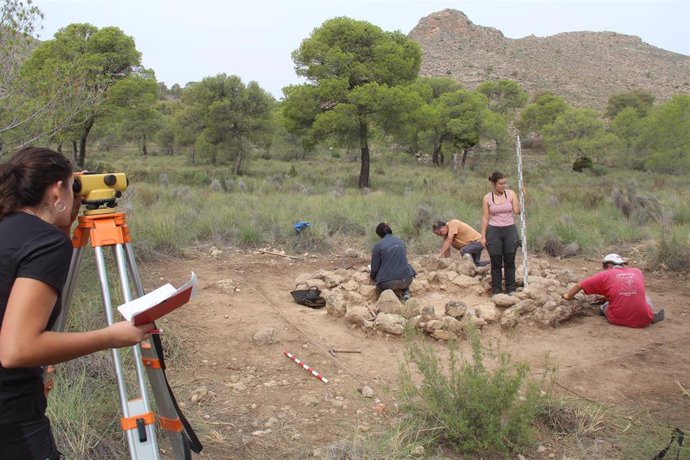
{"points": [[452, 25], [585, 68]]}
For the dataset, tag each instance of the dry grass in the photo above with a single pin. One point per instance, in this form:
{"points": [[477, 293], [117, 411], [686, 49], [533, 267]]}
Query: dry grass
{"points": [[573, 418]]}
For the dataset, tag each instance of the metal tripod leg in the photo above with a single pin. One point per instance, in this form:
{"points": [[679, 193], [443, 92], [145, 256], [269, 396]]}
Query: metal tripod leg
{"points": [[167, 410], [138, 421], [142, 439]]}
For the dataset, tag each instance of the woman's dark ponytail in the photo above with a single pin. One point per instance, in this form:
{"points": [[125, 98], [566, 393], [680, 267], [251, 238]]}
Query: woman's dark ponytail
{"points": [[27, 174], [496, 176]]}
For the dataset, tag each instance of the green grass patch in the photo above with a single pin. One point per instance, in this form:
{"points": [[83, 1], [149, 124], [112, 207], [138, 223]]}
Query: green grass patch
{"points": [[568, 213]]}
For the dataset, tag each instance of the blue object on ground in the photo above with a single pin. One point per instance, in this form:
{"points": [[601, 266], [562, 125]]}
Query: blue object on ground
{"points": [[301, 225]]}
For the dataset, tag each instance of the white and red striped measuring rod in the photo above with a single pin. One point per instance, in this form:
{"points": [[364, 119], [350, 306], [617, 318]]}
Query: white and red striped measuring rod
{"points": [[303, 365]]}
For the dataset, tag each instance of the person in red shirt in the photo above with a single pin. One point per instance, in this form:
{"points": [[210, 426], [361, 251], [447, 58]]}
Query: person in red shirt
{"points": [[623, 287]]}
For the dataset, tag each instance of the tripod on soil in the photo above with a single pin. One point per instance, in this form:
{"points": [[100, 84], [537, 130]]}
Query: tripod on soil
{"points": [[105, 228]]}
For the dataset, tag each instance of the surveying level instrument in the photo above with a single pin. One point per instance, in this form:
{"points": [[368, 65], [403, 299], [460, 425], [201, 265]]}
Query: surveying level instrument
{"points": [[104, 227], [99, 190]]}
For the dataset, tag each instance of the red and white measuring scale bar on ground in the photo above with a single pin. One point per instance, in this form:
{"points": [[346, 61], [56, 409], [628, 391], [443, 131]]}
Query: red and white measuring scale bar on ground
{"points": [[304, 366]]}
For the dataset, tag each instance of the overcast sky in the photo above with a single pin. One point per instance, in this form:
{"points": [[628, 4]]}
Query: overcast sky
{"points": [[187, 40]]}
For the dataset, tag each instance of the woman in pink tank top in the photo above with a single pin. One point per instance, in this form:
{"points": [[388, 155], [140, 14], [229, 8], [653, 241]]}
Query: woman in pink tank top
{"points": [[499, 233]]}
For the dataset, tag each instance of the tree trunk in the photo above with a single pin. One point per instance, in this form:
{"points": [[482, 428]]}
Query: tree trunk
{"points": [[436, 153], [465, 152], [237, 166], [82, 141], [364, 146], [143, 146]]}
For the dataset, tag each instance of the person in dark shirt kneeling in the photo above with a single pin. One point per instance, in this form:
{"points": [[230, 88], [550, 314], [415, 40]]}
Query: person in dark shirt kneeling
{"points": [[389, 266]]}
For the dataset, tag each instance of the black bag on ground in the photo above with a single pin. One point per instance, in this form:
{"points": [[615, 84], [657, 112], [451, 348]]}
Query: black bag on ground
{"points": [[309, 297]]}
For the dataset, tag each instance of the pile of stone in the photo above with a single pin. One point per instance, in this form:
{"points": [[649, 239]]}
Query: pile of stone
{"points": [[448, 296]]}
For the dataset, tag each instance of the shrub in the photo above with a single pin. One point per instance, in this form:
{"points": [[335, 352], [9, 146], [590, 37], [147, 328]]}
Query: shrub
{"points": [[638, 208], [422, 221], [672, 250], [472, 408], [249, 235], [582, 163], [309, 241], [343, 224]]}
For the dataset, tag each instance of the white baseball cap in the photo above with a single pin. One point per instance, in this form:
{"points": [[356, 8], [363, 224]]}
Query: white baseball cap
{"points": [[614, 259]]}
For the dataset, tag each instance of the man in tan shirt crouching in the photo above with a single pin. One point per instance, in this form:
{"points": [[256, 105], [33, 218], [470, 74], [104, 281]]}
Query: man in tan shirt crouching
{"points": [[462, 237]]}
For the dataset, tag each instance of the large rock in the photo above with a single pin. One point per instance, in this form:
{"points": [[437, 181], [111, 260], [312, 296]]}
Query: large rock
{"points": [[451, 324], [510, 317], [549, 305], [456, 309], [392, 324], [472, 320], [466, 267], [265, 336], [464, 281], [431, 325], [446, 275], [420, 285], [353, 253], [433, 277], [487, 311], [416, 322], [388, 303], [354, 298], [526, 306], [431, 263], [226, 286], [362, 278], [442, 334], [369, 292], [335, 304], [350, 285], [520, 295], [566, 276], [535, 291], [541, 281], [427, 312], [561, 313], [504, 300], [332, 280], [358, 315], [411, 308]]}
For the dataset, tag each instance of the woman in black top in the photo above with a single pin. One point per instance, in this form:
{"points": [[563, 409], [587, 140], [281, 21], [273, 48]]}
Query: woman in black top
{"points": [[37, 208]]}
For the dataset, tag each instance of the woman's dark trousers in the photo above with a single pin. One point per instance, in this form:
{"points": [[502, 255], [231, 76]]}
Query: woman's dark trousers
{"points": [[502, 243]]}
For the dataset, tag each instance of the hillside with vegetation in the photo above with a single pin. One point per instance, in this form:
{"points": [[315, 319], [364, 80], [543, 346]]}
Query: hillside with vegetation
{"points": [[585, 68]]}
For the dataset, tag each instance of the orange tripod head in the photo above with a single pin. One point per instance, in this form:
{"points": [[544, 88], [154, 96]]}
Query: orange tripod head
{"points": [[100, 192]]}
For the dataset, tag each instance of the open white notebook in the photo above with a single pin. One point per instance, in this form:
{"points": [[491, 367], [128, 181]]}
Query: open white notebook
{"points": [[159, 302]]}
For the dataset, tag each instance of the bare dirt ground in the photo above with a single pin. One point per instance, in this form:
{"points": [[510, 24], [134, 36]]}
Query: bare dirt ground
{"points": [[250, 401]]}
